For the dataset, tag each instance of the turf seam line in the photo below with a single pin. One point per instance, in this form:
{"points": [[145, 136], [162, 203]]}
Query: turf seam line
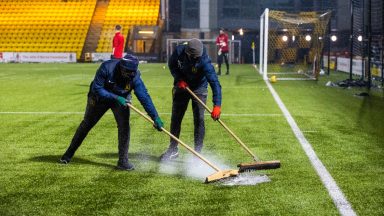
{"points": [[341, 202]]}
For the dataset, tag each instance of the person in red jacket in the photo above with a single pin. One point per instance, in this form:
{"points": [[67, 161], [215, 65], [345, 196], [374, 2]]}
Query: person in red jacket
{"points": [[222, 44], [118, 44]]}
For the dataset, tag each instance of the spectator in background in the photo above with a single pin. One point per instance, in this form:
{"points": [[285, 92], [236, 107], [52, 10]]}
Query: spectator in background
{"points": [[222, 44], [117, 44]]}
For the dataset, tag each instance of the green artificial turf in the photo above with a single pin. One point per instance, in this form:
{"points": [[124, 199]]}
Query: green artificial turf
{"points": [[41, 106]]}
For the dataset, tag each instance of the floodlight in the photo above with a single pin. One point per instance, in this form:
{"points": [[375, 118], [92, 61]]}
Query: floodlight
{"points": [[241, 32], [146, 32], [360, 38]]}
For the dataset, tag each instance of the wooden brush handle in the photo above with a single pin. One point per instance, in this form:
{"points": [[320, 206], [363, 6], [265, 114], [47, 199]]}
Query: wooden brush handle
{"points": [[224, 125], [175, 138]]}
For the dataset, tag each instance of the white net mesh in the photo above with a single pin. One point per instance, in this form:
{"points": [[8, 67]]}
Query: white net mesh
{"points": [[291, 44]]}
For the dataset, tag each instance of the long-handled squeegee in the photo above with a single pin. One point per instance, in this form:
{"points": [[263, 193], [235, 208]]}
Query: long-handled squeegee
{"points": [[254, 165], [220, 174]]}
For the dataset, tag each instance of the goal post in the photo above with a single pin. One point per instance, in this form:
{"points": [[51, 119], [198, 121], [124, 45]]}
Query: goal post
{"points": [[291, 44], [211, 47], [263, 43]]}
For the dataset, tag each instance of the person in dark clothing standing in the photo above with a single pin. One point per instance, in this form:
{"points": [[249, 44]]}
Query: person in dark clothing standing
{"points": [[191, 67], [117, 44], [111, 89], [222, 44]]}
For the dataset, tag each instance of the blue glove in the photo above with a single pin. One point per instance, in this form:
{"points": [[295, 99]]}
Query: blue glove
{"points": [[158, 124], [121, 101]]}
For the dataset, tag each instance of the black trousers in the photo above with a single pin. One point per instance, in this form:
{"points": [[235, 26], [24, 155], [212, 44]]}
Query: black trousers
{"points": [[93, 112], [179, 106], [223, 55]]}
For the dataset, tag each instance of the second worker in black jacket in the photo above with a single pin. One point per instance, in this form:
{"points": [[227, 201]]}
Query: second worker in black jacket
{"points": [[191, 67]]}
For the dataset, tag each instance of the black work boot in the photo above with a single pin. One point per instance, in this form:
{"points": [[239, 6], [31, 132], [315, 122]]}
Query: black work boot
{"points": [[170, 154], [126, 166], [64, 160]]}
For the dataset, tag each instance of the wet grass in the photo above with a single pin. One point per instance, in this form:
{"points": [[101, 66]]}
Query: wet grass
{"points": [[346, 132]]}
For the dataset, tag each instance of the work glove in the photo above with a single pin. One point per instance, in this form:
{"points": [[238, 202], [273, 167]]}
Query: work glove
{"points": [[216, 112], [182, 84], [158, 124], [121, 101]]}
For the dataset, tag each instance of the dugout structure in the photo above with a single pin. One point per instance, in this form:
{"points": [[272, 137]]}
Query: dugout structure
{"points": [[291, 44], [211, 47]]}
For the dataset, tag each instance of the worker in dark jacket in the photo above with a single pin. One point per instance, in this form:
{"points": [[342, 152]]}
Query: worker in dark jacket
{"points": [[191, 67], [111, 89]]}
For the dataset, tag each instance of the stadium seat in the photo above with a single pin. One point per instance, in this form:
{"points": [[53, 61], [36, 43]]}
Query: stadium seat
{"points": [[62, 26], [127, 14], [45, 26]]}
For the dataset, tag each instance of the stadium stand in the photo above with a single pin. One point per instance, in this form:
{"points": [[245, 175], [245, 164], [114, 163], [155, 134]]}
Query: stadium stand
{"points": [[127, 14], [63, 25], [44, 25]]}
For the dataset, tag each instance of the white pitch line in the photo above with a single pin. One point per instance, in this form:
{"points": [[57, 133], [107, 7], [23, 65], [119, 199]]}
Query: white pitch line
{"points": [[41, 113], [248, 114], [223, 88], [82, 113], [341, 202]]}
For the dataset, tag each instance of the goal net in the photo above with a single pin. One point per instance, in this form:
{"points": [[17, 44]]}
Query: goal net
{"points": [[211, 47], [291, 44]]}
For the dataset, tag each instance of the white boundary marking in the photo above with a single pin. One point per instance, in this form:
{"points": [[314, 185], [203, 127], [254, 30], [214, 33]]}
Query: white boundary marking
{"points": [[233, 87], [82, 113], [278, 73], [342, 204], [294, 79], [41, 113]]}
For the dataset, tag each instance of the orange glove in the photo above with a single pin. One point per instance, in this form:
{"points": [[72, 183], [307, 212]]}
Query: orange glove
{"points": [[182, 84], [216, 112]]}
